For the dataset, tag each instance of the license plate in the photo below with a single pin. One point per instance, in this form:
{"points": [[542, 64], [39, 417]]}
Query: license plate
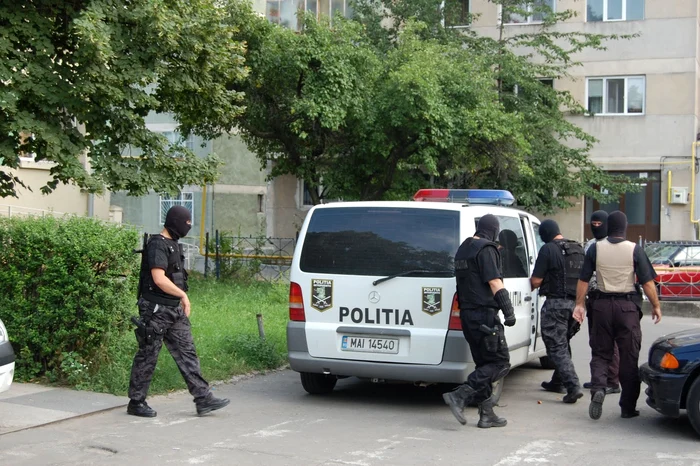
{"points": [[369, 344]]}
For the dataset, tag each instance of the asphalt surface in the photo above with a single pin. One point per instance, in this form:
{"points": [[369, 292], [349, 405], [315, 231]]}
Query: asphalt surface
{"points": [[272, 421]]}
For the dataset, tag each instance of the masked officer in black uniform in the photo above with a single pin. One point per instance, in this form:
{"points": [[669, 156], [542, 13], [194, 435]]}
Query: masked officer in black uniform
{"points": [[481, 294], [164, 310], [616, 312], [550, 276]]}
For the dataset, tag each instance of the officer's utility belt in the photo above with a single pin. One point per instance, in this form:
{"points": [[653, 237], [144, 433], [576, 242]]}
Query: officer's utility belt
{"points": [[160, 299], [617, 296]]}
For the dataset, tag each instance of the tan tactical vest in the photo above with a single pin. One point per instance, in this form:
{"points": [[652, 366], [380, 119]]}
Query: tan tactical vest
{"points": [[614, 266]]}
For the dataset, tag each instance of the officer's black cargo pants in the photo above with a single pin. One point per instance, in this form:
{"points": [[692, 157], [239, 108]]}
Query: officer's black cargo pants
{"points": [[490, 354], [615, 320], [172, 326]]}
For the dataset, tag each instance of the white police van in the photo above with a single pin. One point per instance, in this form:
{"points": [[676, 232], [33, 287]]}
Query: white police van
{"points": [[373, 293]]}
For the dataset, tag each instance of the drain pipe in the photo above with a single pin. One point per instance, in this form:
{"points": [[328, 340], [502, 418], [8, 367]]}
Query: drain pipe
{"points": [[693, 220]]}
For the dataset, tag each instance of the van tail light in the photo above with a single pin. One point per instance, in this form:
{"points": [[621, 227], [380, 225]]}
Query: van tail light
{"points": [[455, 322], [296, 303]]}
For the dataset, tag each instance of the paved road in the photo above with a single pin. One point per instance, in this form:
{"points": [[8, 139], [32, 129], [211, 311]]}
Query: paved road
{"points": [[272, 421]]}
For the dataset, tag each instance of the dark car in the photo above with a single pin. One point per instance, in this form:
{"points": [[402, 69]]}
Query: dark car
{"points": [[672, 375]]}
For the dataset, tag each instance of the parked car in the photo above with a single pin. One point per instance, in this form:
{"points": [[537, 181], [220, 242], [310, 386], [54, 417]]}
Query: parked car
{"points": [[672, 375], [678, 265], [7, 360]]}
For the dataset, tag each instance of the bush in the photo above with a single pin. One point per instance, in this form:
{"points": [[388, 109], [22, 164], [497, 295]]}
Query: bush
{"points": [[67, 288]]}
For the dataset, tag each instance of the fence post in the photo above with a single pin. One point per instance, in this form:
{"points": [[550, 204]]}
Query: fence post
{"points": [[261, 329], [206, 254], [218, 264]]}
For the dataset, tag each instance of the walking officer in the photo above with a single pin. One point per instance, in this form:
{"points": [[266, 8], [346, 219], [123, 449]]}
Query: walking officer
{"points": [[599, 228], [616, 312], [481, 294], [164, 310], [556, 274]]}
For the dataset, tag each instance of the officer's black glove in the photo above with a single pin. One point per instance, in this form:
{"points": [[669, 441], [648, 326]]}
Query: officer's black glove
{"points": [[503, 300]]}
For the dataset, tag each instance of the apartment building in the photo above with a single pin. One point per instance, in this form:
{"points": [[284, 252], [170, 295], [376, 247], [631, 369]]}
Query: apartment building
{"points": [[643, 99]]}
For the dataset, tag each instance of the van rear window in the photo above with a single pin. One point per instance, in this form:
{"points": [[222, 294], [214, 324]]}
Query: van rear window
{"points": [[380, 241]]}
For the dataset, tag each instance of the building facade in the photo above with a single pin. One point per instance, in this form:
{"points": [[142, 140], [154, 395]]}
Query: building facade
{"points": [[643, 101]]}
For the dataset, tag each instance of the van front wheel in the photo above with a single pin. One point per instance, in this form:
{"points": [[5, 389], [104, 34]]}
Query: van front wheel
{"points": [[317, 384]]}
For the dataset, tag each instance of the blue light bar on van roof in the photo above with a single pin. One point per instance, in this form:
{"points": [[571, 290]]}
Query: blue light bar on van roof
{"points": [[468, 196]]}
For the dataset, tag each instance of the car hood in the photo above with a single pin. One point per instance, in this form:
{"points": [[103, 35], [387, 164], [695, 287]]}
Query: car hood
{"points": [[679, 339]]}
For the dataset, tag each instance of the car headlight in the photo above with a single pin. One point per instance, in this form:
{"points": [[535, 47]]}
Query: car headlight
{"points": [[3, 333], [663, 359]]}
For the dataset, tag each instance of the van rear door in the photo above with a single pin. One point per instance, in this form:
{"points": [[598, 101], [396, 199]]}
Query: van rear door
{"points": [[377, 282]]}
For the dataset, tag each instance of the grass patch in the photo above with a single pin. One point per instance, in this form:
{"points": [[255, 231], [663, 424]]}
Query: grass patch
{"points": [[225, 332]]}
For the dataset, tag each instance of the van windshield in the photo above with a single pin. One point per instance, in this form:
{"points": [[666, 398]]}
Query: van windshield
{"points": [[380, 241]]}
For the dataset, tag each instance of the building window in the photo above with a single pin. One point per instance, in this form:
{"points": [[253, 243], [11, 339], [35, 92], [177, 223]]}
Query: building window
{"points": [[175, 138], [616, 95], [167, 201], [614, 10], [457, 13], [530, 12], [287, 13]]}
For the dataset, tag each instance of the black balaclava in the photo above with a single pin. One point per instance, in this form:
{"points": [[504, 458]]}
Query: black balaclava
{"points": [[488, 227], [508, 239], [176, 221], [601, 231], [617, 224], [548, 230]]}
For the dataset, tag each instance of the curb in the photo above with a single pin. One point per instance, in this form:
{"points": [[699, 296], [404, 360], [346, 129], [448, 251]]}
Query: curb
{"points": [[675, 308]]}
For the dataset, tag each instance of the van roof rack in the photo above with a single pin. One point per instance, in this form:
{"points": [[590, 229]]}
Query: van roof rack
{"points": [[500, 197]]}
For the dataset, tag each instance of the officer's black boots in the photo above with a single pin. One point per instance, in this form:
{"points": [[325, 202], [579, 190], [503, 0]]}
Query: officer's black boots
{"points": [[140, 408], [595, 409], [629, 413], [487, 418], [553, 387], [573, 395], [458, 399], [211, 404]]}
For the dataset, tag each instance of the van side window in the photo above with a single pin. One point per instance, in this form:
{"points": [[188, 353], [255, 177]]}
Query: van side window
{"points": [[538, 240], [511, 241]]}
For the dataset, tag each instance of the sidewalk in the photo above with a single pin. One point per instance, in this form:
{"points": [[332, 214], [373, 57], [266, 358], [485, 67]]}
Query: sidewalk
{"points": [[25, 405]]}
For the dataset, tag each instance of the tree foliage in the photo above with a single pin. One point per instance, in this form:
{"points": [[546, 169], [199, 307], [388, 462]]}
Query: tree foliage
{"points": [[392, 100], [78, 77]]}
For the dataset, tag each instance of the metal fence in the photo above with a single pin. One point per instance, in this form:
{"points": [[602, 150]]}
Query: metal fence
{"points": [[258, 257]]}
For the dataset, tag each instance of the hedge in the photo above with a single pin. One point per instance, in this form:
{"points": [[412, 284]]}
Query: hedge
{"points": [[67, 288]]}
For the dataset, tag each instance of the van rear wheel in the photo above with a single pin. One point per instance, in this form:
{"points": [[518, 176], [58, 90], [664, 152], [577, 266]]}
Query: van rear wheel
{"points": [[317, 384]]}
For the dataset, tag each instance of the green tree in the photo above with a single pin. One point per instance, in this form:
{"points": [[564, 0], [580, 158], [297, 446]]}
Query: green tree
{"points": [[554, 166], [335, 107], [78, 77]]}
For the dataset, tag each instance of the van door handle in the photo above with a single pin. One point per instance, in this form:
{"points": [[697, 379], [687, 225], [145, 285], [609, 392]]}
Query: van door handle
{"points": [[528, 298]]}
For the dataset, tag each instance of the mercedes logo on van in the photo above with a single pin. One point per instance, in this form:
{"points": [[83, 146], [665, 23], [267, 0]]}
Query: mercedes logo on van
{"points": [[374, 297]]}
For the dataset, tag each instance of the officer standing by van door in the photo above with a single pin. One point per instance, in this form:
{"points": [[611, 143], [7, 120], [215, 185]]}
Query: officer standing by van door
{"points": [[556, 275], [616, 313], [481, 294], [164, 310], [599, 229]]}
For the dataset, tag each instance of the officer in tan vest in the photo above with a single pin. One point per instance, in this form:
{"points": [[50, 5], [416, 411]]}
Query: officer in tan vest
{"points": [[616, 313]]}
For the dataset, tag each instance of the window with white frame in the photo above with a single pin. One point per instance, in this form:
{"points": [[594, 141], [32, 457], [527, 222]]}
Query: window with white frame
{"points": [[457, 13], [167, 201], [614, 10], [175, 138], [288, 12], [623, 95], [530, 12]]}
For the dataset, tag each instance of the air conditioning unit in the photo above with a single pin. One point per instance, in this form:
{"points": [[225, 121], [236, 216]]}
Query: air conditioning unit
{"points": [[679, 195]]}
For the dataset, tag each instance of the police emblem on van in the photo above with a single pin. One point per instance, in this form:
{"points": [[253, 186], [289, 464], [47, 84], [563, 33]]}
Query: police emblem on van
{"points": [[432, 300], [321, 294]]}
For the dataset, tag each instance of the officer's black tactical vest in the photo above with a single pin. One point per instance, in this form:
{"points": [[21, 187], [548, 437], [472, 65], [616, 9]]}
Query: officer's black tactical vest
{"points": [[175, 271], [562, 283], [472, 290]]}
